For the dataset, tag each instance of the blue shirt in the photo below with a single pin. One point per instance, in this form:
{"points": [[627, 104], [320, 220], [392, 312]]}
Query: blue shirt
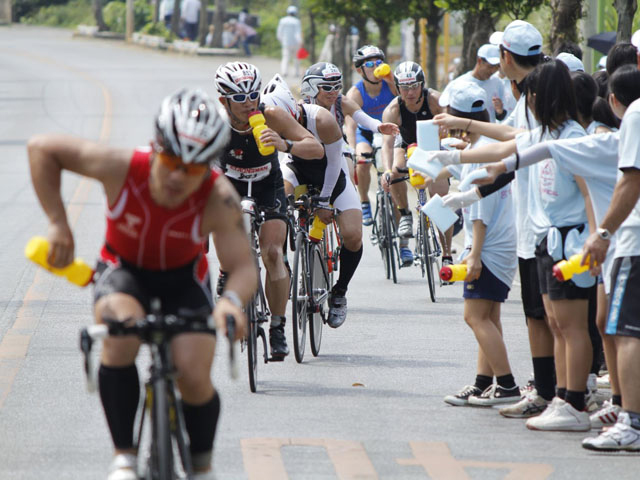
{"points": [[374, 106]]}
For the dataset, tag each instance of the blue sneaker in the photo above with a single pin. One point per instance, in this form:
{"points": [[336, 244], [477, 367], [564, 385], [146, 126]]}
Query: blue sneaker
{"points": [[367, 219], [406, 256]]}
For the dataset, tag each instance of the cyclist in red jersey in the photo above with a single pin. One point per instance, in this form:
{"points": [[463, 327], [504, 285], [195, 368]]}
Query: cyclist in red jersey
{"points": [[163, 202]]}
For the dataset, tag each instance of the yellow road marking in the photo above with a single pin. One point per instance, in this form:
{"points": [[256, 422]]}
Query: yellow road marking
{"points": [[15, 343]]}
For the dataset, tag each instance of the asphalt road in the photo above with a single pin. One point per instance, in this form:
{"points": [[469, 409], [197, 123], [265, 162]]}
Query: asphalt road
{"points": [[370, 406]]}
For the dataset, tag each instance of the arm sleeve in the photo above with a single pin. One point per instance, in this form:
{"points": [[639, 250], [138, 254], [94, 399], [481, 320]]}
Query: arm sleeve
{"points": [[365, 121], [501, 181], [334, 165], [529, 156]]}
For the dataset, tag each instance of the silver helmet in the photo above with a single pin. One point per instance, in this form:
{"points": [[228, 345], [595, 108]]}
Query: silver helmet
{"points": [[237, 77], [276, 93], [317, 74]]}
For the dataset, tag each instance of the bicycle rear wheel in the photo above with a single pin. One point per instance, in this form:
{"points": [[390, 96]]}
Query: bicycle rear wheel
{"points": [[427, 256], [252, 344], [435, 252], [299, 297], [320, 287]]}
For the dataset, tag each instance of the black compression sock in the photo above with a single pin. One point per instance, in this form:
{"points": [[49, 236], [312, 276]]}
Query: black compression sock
{"points": [[575, 399], [616, 400], [483, 382], [201, 422], [544, 376], [561, 393], [506, 381], [348, 263], [120, 394], [404, 211]]}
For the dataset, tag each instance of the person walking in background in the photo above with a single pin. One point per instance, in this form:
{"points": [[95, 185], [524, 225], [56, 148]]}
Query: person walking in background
{"points": [[243, 33], [189, 13], [166, 11], [289, 35]]}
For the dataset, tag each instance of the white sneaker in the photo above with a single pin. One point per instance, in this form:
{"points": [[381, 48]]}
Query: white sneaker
{"points": [[606, 416], [123, 467], [622, 436], [529, 405], [604, 381], [495, 395], [563, 418], [462, 397]]}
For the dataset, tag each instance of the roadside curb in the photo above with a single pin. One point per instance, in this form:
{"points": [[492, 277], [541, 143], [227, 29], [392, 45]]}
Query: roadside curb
{"points": [[156, 42]]}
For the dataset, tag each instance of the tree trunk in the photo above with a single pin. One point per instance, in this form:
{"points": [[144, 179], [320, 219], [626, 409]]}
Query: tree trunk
{"points": [[312, 37], [175, 18], [340, 53], [477, 28], [625, 9], [564, 22], [363, 35], [416, 40], [218, 22], [97, 13], [385, 28], [433, 33], [203, 27]]}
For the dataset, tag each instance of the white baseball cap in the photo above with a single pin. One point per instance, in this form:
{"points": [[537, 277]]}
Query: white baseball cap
{"points": [[571, 61], [522, 38], [635, 39], [490, 53], [292, 10], [602, 63], [496, 38], [461, 95]]}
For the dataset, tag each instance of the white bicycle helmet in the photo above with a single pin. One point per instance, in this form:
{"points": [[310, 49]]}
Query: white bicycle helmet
{"points": [[237, 77], [317, 74], [408, 73], [276, 93], [366, 52], [190, 126]]}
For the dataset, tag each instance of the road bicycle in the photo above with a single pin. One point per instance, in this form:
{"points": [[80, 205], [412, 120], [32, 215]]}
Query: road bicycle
{"points": [[312, 273], [161, 437], [427, 253]]}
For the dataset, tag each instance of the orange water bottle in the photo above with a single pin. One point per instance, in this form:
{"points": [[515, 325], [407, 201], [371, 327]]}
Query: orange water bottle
{"points": [[382, 70], [257, 122], [565, 269], [317, 229], [453, 273], [77, 272]]}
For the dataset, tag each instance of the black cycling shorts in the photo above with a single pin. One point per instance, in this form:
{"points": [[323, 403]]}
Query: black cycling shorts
{"points": [[268, 194], [530, 289], [624, 306], [187, 287]]}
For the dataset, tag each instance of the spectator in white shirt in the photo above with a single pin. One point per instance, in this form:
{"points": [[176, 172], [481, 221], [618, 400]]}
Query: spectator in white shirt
{"points": [[189, 13], [289, 35]]}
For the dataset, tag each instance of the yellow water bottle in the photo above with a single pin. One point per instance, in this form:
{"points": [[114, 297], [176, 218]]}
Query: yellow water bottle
{"points": [[77, 272], [257, 122], [317, 229], [565, 269], [382, 70], [453, 273]]}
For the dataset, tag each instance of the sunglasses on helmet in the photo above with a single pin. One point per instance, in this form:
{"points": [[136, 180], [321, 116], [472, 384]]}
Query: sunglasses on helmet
{"points": [[172, 163], [242, 97], [331, 88], [372, 63]]}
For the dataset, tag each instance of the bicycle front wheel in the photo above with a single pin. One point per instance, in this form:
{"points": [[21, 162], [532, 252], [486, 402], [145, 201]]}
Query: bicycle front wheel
{"points": [[252, 344], [392, 247], [427, 256], [162, 451], [320, 287], [299, 297]]}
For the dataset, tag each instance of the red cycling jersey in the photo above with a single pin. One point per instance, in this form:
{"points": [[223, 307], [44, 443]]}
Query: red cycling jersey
{"points": [[152, 237]]}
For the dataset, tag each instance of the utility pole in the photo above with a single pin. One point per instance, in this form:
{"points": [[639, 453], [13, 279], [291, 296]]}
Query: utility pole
{"points": [[129, 21]]}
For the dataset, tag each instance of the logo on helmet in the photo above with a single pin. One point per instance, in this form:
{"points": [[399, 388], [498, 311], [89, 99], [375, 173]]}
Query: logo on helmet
{"points": [[242, 76], [331, 71]]}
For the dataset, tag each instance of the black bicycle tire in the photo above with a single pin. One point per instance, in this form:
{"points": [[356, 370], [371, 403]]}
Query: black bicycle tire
{"points": [[386, 238], [419, 254], [252, 344], [161, 431], [428, 258], [298, 321], [317, 319], [180, 433], [393, 248], [436, 252]]}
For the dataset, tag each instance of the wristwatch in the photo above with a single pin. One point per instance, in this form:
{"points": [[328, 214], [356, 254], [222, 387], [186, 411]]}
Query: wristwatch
{"points": [[289, 145], [604, 234]]}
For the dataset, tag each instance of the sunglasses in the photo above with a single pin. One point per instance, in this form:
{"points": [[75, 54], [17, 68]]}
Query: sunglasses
{"points": [[242, 97], [372, 63], [331, 88], [173, 163], [413, 86]]}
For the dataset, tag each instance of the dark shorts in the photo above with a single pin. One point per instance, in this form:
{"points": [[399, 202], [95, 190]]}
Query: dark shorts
{"points": [[548, 283], [624, 305], [312, 174], [268, 194], [187, 287], [487, 287], [530, 289]]}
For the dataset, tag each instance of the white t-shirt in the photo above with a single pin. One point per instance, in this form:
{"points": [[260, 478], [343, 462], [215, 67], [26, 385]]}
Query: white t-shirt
{"points": [[190, 9], [521, 117], [497, 213], [509, 101], [554, 197], [289, 31], [629, 157], [594, 158]]}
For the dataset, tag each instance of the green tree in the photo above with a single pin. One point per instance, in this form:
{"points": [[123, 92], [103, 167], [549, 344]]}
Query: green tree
{"points": [[564, 22], [626, 10], [429, 10]]}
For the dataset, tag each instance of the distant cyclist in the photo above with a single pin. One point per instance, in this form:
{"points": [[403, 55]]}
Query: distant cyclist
{"points": [[415, 102], [372, 94], [331, 176], [162, 203], [239, 86]]}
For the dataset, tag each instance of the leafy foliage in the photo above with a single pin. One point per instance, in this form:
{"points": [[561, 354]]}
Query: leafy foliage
{"points": [[514, 8], [70, 14], [115, 14]]}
